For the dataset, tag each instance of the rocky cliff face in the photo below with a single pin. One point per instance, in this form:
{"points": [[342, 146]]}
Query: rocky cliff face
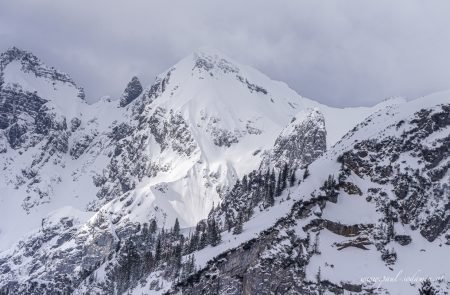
{"points": [[25, 115], [31, 121], [300, 143], [132, 91]]}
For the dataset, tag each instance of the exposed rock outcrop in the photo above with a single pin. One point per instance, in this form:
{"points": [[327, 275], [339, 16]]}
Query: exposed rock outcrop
{"points": [[132, 91], [300, 143]]}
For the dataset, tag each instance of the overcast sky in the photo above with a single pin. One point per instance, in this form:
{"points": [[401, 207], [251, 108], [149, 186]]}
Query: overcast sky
{"points": [[342, 53]]}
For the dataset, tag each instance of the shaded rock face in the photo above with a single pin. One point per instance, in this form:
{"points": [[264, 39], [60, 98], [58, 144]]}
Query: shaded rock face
{"points": [[300, 143], [253, 269], [130, 161], [16, 104], [344, 230], [250, 269], [273, 263], [24, 115], [20, 113], [420, 192], [403, 239], [27, 121], [132, 91], [66, 267]]}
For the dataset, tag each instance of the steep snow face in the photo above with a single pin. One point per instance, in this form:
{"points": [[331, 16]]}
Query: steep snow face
{"points": [[228, 112], [204, 123]]}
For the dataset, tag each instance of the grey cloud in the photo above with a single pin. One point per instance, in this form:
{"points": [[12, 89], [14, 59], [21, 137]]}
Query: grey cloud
{"points": [[338, 52]]}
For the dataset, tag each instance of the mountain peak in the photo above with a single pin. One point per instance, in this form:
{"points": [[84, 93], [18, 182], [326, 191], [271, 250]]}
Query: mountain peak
{"points": [[212, 54], [25, 62], [309, 114], [211, 60], [14, 53], [132, 91]]}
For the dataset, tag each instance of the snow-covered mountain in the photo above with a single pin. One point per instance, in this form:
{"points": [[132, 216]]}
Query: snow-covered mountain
{"points": [[202, 124], [94, 184]]}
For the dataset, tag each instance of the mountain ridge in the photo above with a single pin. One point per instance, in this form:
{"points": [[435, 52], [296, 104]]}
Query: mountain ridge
{"points": [[88, 181]]}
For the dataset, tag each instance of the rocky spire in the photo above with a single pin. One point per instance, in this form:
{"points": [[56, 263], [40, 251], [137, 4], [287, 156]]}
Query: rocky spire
{"points": [[133, 90]]}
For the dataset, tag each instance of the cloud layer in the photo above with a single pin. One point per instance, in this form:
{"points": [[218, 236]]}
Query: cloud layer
{"points": [[342, 53]]}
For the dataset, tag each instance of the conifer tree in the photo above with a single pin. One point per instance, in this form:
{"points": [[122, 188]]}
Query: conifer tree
{"points": [[194, 241], [228, 222], [244, 184], [214, 233], [284, 176], [238, 227], [158, 250], [271, 190], [270, 201], [146, 232], [188, 267], [319, 276], [259, 189], [316, 244], [176, 228], [153, 226], [203, 241], [330, 188], [177, 255], [130, 264], [148, 261], [249, 211]]}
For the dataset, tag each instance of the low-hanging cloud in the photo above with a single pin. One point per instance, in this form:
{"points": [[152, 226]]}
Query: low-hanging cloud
{"points": [[341, 53]]}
